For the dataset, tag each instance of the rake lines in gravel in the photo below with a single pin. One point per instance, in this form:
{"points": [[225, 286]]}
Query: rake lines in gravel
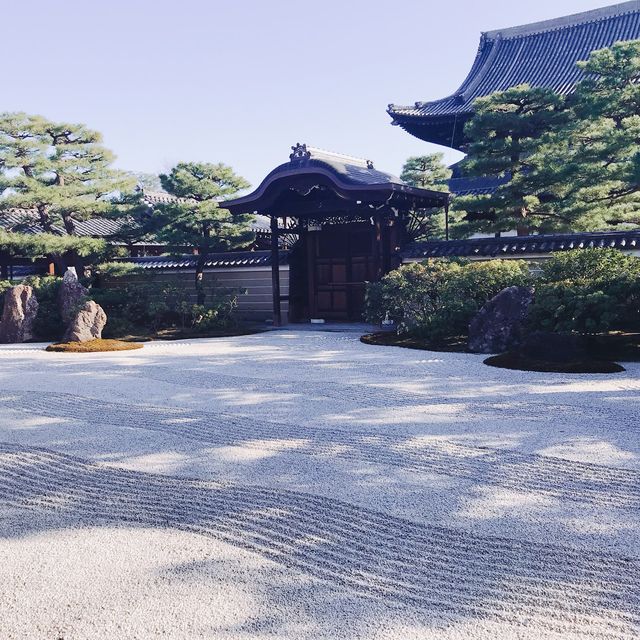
{"points": [[555, 477], [379, 395], [378, 555]]}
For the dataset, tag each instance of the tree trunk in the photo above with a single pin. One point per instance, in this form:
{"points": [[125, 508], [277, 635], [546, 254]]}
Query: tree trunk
{"points": [[74, 259], [521, 228], [199, 282], [45, 220]]}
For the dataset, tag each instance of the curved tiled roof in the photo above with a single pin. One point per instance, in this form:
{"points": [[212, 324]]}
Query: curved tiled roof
{"points": [[524, 245], [348, 169], [355, 180], [543, 54]]}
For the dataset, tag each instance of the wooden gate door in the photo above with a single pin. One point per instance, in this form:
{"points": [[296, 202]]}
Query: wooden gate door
{"points": [[342, 262]]}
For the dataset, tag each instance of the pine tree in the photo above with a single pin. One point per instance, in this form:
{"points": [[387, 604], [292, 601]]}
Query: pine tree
{"points": [[426, 172], [505, 132], [197, 218], [589, 170], [60, 171]]}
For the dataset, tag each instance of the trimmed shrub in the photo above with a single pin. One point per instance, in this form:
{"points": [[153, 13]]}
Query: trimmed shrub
{"points": [[48, 324], [588, 291], [436, 299], [473, 285], [589, 264], [412, 295], [141, 307]]}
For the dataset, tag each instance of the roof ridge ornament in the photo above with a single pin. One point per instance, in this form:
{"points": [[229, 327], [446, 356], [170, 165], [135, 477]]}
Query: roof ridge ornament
{"points": [[300, 153]]}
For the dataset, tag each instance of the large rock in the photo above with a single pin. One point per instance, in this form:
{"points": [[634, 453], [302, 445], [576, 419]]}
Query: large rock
{"points": [[18, 315], [87, 324], [499, 325], [72, 296]]}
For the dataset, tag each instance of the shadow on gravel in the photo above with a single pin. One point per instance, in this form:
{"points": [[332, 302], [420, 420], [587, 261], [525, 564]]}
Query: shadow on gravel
{"points": [[438, 570]]}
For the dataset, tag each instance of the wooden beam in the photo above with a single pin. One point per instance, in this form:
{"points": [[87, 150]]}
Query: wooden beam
{"points": [[275, 272]]}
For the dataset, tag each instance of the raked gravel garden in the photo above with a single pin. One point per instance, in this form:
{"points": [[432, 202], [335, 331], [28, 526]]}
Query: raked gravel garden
{"points": [[303, 485]]}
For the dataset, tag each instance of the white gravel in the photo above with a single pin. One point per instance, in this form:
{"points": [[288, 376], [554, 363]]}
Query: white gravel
{"points": [[300, 484]]}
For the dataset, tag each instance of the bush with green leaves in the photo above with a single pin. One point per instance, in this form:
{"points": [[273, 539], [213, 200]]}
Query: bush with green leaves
{"points": [[588, 291], [471, 286], [139, 306], [135, 304], [436, 299], [411, 295], [48, 324], [116, 269]]}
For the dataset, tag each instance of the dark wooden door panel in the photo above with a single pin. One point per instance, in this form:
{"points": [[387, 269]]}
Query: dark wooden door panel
{"points": [[342, 264]]}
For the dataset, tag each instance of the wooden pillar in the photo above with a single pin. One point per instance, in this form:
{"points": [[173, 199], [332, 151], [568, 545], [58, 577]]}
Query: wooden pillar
{"points": [[275, 272], [377, 247], [300, 310], [311, 250], [386, 245]]}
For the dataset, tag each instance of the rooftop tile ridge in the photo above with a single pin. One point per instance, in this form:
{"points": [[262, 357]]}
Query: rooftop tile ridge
{"points": [[321, 154], [564, 22]]}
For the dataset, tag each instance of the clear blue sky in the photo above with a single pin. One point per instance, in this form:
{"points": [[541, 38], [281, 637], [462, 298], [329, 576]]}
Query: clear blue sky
{"points": [[240, 81]]}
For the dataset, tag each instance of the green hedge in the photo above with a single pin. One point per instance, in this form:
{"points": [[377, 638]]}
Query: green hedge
{"points": [[436, 299], [132, 308], [585, 291], [588, 291]]}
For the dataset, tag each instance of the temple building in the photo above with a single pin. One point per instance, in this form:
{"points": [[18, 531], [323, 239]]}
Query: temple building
{"points": [[542, 54], [346, 223]]}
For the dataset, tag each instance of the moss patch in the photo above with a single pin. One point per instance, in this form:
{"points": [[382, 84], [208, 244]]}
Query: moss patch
{"points": [[93, 346], [457, 344], [518, 362]]}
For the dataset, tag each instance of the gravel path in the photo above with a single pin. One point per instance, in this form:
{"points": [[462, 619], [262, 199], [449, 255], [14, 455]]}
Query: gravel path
{"points": [[300, 484]]}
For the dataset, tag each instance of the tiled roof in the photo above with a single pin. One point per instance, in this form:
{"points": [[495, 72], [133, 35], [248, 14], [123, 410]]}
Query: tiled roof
{"points": [[158, 197], [475, 186], [20, 220], [355, 181], [27, 220], [543, 54], [348, 169], [524, 245], [216, 260]]}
